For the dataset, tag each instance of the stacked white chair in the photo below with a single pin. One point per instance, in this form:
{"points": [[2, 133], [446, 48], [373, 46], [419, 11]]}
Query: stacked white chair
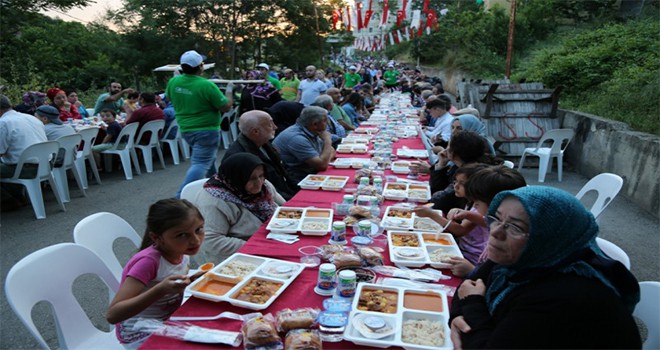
{"points": [[155, 127], [40, 154], [85, 155], [123, 147], [48, 275], [69, 144], [560, 139]]}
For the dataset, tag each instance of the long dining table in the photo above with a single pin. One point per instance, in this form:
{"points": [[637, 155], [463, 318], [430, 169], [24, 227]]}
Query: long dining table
{"points": [[300, 292]]}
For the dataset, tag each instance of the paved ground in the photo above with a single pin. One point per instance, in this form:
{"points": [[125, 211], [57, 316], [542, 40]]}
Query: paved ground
{"points": [[622, 223]]}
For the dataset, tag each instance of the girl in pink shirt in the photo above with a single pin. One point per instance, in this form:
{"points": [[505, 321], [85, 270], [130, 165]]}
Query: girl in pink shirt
{"points": [[154, 279]]}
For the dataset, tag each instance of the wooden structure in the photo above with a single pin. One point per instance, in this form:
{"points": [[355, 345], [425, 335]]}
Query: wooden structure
{"points": [[516, 115]]}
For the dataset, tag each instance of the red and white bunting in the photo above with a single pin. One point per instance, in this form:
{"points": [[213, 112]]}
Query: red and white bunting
{"points": [[414, 22]]}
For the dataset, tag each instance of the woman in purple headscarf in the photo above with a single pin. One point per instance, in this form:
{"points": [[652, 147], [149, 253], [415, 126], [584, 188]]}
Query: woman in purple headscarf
{"points": [[258, 96]]}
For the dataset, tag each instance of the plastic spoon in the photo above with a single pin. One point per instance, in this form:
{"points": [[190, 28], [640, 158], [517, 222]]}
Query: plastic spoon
{"points": [[225, 314], [437, 234]]}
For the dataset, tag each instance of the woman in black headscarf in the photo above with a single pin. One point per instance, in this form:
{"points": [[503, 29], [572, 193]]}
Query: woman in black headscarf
{"points": [[234, 203]]}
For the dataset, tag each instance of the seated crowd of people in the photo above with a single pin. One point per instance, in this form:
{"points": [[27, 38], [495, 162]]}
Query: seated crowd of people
{"points": [[530, 280]]}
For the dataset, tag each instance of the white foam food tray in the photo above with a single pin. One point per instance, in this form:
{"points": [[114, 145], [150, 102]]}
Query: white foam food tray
{"points": [[366, 130], [401, 167], [240, 279], [309, 221], [345, 163], [353, 140], [396, 218], [416, 249], [398, 191], [412, 153], [323, 182], [409, 304], [359, 148]]}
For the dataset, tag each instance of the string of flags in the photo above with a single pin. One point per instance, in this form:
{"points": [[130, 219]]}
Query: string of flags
{"points": [[357, 19]]}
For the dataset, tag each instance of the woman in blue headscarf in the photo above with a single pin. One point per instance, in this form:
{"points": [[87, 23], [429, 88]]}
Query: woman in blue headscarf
{"points": [[472, 123], [546, 283]]}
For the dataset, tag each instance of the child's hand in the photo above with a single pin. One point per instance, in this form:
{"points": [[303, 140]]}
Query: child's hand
{"points": [[424, 212], [173, 284], [456, 214], [460, 267]]}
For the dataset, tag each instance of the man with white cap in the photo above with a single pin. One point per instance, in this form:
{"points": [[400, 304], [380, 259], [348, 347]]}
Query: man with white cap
{"points": [[391, 77], [351, 78], [18, 131], [199, 105], [53, 126], [264, 69]]}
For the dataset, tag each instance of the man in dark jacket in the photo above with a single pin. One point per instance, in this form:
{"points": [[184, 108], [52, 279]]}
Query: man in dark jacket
{"points": [[257, 129]]}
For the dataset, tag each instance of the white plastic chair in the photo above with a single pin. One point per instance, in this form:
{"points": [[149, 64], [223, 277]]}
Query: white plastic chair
{"points": [[85, 154], [183, 145], [648, 311], [90, 111], [607, 186], [173, 143], [154, 127], [189, 191], [99, 231], [69, 144], [560, 139], [613, 251], [48, 275], [40, 154], [125, 154], [508, 164]]}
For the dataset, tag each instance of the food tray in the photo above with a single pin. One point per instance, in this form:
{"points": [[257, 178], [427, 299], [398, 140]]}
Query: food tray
{"points": [[219, 285], [412, 153], [353, 140], [295, 219], [398, 191], [411, 304], [355, 163], [366, 130], [416, 249], [358, 148], [324, 182], [392, 222], [401, 167]]}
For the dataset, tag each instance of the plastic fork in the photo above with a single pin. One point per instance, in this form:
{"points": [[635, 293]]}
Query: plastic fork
{"points": [[225, 314]]}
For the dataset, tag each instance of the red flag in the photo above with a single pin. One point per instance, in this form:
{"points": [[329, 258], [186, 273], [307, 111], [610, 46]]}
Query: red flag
{"points": [[403, 8], [385, 14], [426, 6], [359, 15], [399, 17], [395, 34], [432, 20], [335, 19], [367, 16]]}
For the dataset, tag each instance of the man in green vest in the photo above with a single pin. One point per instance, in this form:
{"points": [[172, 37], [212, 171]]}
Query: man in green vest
{"points": [[289, 85], [391, 76], [351, 78]]}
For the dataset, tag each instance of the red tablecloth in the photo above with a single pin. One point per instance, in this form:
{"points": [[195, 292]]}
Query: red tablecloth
{"points": [[301, 292]]}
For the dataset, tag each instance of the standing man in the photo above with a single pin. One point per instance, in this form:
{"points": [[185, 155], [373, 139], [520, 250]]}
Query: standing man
{"points": [[257, 130], [113, 99], [310, 88], [18, 131], [264, 71], [351, 78], [306, 147], [391, 76], [198, 104], [290, 85]]}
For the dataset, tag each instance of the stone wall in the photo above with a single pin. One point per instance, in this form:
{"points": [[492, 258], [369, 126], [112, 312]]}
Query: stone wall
{"points": [[602, 145]]}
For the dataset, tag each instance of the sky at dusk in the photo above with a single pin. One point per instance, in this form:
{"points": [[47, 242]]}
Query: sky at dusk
{"points": [[86, 14]]}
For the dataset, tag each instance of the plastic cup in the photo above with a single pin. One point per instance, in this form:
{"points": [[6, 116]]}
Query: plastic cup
{"points": [[309, 256]]}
